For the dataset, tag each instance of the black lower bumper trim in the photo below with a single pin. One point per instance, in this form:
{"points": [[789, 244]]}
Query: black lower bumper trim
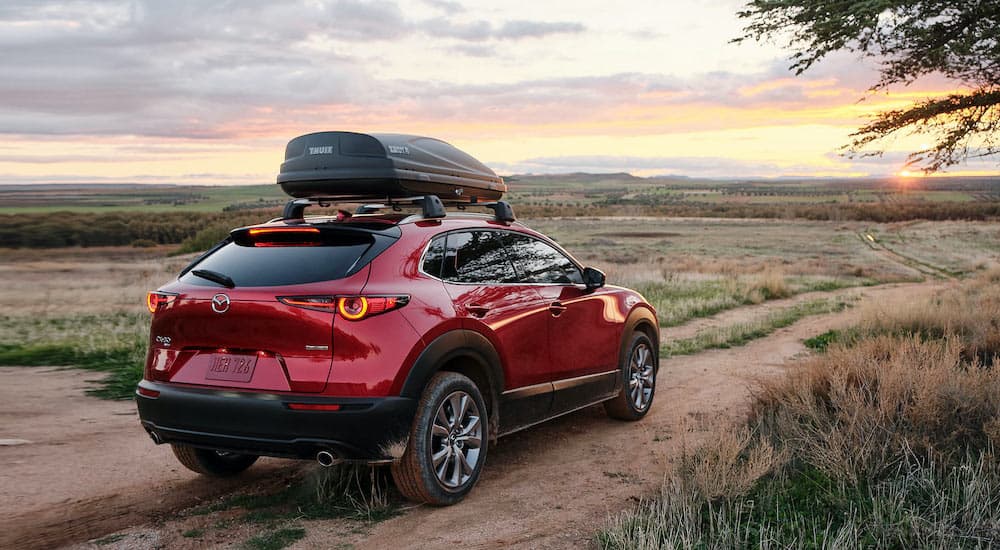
{"points": [[262, 424]]}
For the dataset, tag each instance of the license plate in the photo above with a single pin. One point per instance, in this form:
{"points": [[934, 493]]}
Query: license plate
{"points": [[231, 367]]}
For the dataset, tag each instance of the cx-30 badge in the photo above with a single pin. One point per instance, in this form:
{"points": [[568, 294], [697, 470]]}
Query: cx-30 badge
{"points": [[220, 303]]}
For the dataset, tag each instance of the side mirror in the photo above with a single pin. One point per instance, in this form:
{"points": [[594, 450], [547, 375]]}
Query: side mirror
{"points": [[593, 278]]}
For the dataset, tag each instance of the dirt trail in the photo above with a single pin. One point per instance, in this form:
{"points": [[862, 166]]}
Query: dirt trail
{"points": [[90, 470], [554, 486], [918, 266], [748, 313], [82, 467]]}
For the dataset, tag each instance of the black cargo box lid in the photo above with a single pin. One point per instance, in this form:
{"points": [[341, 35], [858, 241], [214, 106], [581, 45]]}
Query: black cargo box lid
{"points": [[352, 166]]}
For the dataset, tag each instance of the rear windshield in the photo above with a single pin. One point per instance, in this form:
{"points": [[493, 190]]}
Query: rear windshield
{"points": [[283, 265]]}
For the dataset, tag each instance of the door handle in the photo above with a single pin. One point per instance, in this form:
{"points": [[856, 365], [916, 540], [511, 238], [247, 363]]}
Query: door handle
{"points": [[477, 310], [556, 309]]}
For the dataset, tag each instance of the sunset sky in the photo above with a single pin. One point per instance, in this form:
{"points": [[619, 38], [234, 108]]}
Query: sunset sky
{"points": [[200, 92]]}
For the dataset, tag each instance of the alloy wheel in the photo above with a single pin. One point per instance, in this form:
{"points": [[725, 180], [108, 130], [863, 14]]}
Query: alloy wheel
{"points": [[641, 376], [456, 439]]}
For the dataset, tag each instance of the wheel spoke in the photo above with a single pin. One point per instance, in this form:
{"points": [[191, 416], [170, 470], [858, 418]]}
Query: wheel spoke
{"points": [[463, 408], [442, 417], [471, 441], [473, 424], [456, 472], [463, 463], [439, 431], [442, 469], [455, 401], [441, 455]]}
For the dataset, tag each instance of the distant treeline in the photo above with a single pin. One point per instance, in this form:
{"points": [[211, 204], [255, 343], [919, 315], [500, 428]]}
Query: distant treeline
{"points": [[61, 229], [872, 212], [199, 230]]}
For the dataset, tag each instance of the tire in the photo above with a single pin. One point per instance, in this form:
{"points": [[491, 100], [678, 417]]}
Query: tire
{"points": [[212, 463], [639, 368], [460, 446]]}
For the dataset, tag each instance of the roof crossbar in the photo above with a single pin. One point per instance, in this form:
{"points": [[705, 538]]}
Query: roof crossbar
{"points": [[431, 206]]}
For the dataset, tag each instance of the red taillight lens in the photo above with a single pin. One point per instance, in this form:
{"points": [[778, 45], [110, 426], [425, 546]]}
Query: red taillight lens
{"points": [[313, 407], [352, 308], [156, 300], [147, 392]]}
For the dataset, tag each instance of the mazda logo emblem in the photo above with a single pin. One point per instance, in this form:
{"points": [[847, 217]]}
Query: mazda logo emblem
{"points": [[220, 303]]}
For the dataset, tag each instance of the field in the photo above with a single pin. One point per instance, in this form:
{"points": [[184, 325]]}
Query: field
{"points": [[737, 298], [594, 191]]}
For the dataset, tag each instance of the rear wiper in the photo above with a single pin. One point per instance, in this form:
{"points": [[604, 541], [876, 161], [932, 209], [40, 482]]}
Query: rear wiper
{"points": [[215, 277]]}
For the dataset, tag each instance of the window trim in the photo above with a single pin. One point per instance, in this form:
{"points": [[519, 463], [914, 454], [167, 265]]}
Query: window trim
{"points": [[547, 241]]}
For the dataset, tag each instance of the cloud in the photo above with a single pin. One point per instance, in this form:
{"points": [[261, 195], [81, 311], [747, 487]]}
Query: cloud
{"points": [[481, 31], [536, 29], [192, 69]]}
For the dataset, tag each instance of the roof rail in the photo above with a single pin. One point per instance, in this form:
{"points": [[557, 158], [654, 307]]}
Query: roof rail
{"points": [[431, 207]]}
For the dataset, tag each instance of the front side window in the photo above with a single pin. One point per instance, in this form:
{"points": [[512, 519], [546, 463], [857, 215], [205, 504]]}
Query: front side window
{"points": [[538, 262]]}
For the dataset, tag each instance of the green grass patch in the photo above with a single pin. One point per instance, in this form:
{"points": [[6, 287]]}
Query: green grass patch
{"points": [[193, 533], [112, 343], [678, 301], [822, 341], [741, 333], [276, 539]]}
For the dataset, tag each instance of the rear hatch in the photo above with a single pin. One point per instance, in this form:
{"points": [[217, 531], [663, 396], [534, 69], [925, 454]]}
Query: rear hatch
{"points": [[235, 317]]}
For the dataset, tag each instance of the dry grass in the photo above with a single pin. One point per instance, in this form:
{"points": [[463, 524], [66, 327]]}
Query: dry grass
{"points": [[886, 440], [971, 313], [81, 307], [55, 283], [732, 464]]}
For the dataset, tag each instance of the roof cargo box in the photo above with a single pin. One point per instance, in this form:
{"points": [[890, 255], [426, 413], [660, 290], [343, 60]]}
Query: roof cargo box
{"points": [[350, 166]]}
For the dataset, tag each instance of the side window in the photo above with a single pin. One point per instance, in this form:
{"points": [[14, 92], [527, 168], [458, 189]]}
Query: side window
{"points": [[434, 257], [538, 262], [476, 257]]}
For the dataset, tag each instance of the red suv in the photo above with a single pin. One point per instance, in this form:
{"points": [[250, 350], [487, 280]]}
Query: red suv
{"points": [[387, 337]]}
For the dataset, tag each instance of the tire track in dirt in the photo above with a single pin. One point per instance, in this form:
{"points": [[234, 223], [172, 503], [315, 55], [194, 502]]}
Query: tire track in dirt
{"points": [[555, 485], [914, 264]]}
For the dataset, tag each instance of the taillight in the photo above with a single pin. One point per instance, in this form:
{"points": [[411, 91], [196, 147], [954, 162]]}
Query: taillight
{"points": [[284, 236], [156, 300], [352, 308], [146, 392], [313, 406]]}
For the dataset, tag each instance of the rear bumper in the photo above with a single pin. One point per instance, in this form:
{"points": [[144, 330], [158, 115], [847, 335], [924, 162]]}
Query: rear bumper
{"points": [[262, 423]]}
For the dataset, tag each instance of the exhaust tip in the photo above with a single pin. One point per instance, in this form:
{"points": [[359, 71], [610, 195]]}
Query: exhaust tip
{"points": [[325, 459], [155, 437]]}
